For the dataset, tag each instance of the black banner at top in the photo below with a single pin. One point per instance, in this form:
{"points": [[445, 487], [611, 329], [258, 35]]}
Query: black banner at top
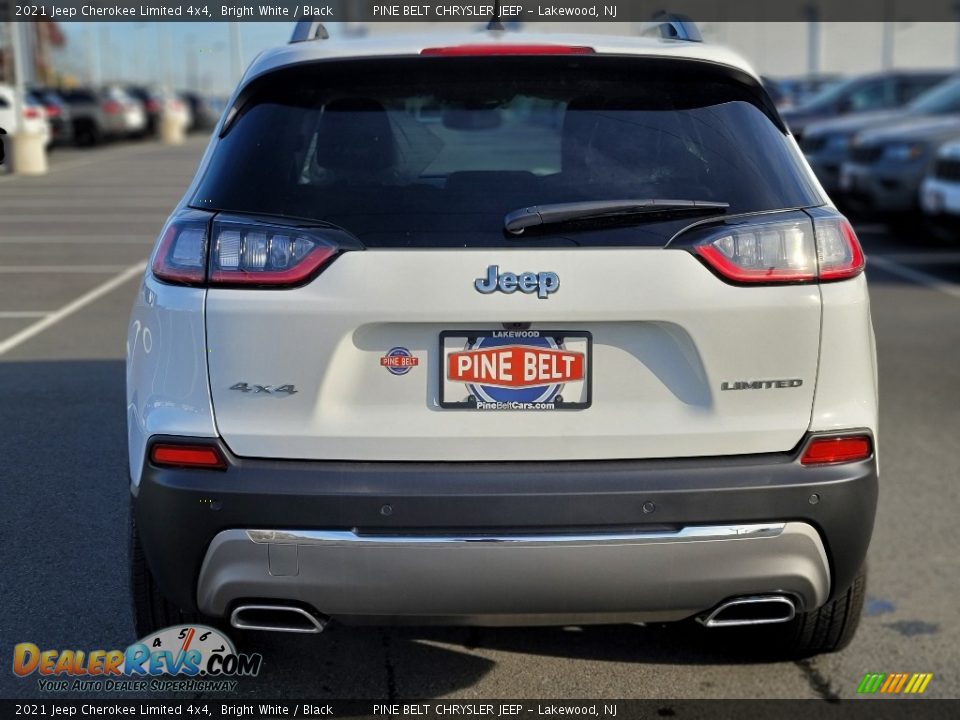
{"points": [[512, 12]]}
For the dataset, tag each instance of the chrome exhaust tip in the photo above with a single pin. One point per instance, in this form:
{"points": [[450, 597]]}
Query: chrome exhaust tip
{"points": [[277, 618], [754, 610]]}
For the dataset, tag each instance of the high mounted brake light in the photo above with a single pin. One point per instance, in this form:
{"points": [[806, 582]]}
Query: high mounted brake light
{"points": [[239, 254], [492, 49], [789, 251]]}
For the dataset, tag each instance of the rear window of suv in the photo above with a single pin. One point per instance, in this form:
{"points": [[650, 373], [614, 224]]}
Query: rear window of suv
{"points": [[429, 152]]}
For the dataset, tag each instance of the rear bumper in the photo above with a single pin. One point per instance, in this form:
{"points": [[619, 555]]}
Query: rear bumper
{"points": [[528, 579], [629, 557]]}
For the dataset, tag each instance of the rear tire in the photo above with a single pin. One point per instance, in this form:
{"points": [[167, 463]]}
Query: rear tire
{"points": [[828, 628], [825, 630], [151, 609]]}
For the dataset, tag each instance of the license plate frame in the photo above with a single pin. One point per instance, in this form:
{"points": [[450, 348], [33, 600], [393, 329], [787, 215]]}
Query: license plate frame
{"points": [[455, 394]]}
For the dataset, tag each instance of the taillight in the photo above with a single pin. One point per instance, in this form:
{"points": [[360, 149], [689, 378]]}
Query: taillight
{"points": [[265, 254], [52, 111], [505, 49], [838, 250], [240, 254], [30, 112], [837, 449], [190, 456], [153, 106], [181, 256], [785, 251], [112, 107]]}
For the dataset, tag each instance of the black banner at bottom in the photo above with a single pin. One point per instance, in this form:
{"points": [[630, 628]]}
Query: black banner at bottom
{"points": [[856, 709]]}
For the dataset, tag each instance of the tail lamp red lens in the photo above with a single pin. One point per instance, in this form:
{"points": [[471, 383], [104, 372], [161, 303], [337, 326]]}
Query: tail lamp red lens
{"points": [[112, 107], [507, 49], [239, 254], [190, 456], [842, 449], [792, 251], [52, 111], [30, 112]]}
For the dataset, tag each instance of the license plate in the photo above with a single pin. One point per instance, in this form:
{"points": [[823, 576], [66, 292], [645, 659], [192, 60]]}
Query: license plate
{"points": [[515, 369]]}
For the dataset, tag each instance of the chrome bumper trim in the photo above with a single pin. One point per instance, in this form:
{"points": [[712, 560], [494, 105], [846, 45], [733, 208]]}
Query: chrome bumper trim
{"points": [[346, 538]]}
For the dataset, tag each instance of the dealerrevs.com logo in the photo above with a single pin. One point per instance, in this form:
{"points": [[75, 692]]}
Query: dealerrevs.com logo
{"points": [[185, 658]]}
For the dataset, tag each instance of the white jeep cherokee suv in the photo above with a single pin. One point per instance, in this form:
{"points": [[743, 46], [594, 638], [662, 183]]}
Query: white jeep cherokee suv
{"points": [[502, 329]]}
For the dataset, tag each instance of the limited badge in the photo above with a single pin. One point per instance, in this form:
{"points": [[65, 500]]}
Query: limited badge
{"points": [[399, 360]]}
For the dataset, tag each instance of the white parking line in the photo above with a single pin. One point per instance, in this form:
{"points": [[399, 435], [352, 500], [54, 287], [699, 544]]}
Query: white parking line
{"points": [[57, 315], [18, 314], [86, 269], [917, 276]]}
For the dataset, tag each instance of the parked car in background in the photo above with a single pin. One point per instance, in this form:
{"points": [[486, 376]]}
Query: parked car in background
{"points": [[878, 91], [888, 165], [104, 114], [940, 192], [156, 101], [153, 100], [828, 144], [203, 115], [797, 91], [34, 115], [130, 111], [58, 114]]}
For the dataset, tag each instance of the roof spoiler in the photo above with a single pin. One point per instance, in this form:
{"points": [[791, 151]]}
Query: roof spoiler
{"points": [[672, 26], [306, 30]]}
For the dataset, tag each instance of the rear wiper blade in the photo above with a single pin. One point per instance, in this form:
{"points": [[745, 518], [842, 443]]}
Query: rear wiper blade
{"points": [[519, 220]]}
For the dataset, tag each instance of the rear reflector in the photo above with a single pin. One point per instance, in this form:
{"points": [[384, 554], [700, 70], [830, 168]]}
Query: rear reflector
{"points": [[197, 456], [829, 450], [491, 49]]}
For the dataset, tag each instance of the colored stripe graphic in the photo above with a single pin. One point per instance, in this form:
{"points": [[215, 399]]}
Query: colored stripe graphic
{"points": [[871, 682], [921, 686], [894, 683]]}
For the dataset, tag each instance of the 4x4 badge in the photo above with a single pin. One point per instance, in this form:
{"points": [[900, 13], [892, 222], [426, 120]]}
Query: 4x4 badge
{"points": [[543, 284]]}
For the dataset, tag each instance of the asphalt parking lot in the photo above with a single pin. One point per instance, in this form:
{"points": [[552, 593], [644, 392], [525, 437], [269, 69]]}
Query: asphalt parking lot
{"points": [[72, 248]]}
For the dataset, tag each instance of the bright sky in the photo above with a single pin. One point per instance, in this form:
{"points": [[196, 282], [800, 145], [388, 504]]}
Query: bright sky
{"points": [[199, 53]]}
